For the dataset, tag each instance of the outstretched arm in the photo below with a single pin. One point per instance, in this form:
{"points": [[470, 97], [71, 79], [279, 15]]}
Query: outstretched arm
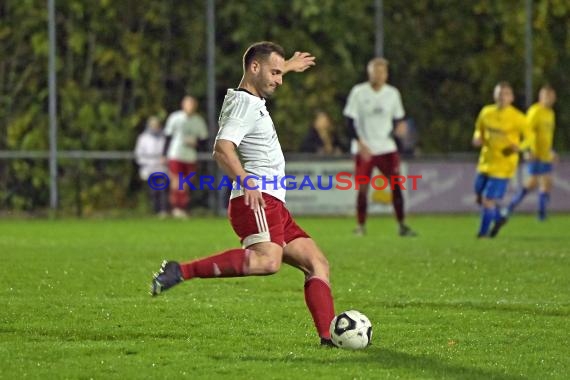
{"points": [[299, 62]]}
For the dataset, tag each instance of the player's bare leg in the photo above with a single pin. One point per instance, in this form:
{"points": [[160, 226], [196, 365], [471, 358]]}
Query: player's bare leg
{"points": [[532, 182], [304, 254], [259, 259], [264, 259]]}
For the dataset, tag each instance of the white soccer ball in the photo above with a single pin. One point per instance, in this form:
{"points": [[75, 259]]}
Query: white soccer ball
{"points": [[351, 330]]}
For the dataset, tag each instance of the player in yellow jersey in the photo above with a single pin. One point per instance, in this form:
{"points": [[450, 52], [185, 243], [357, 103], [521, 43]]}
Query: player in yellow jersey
{"points": [[498, 131], [541, 120]]}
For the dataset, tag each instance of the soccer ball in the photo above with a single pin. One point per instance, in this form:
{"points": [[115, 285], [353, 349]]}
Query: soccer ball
{"points": [[351, 329]]}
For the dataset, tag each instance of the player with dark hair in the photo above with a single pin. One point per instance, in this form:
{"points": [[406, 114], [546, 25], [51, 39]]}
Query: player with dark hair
{"points": [[257, 213], [372, 109], [541, 120], [498, 131]]}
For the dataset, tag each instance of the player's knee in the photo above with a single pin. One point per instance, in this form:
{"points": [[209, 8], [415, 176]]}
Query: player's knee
{"points": [[322, 261], [173, 183], [265, 258], [268, 262], [532, 183], [272, 266], [546, 184]]}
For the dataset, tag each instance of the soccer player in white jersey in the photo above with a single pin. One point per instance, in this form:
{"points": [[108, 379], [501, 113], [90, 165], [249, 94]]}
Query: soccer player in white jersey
{"points": [[184, 129], [372, 109], [257, 212]]}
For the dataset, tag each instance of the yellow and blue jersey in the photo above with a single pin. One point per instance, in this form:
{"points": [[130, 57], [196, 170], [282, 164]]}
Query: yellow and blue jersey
{"points": [[541, 121], [499, 129]]}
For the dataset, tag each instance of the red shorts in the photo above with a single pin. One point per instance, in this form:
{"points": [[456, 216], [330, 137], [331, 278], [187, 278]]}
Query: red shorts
{"points": [[388, 164], [177, 167], [273, 223]]}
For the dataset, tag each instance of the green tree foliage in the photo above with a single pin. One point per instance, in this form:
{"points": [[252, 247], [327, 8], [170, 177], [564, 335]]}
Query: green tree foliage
{"points": [[120, 61]]}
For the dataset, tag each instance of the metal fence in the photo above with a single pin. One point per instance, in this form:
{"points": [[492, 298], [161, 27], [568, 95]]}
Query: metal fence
{"points": [[87, 182]]}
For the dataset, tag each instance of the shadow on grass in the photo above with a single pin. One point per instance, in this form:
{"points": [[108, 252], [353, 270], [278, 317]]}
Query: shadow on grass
{"points": [[430, 365], [373, 358], [550, 311], [416, 366]]}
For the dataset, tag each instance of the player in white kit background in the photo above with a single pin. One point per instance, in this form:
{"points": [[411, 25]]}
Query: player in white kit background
{"points": [[258, 215], [375, 115], [184, 130]]}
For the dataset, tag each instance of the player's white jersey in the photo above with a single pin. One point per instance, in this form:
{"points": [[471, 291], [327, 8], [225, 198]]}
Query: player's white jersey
{"points": [[374, 113], [245, 121], [183, 128]]}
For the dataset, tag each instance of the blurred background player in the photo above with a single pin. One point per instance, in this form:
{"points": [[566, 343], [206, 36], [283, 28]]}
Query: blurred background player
{"points": [[257, 213], [541, 120], [372, 110], [184, 130], [148, 155], [321, 137], [498, 131]]}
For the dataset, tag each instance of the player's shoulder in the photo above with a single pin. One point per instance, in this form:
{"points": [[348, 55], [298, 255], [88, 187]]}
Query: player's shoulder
{"points": [[516, 112], [537, 108], [360, 87], [242, 97], [176, 115], [237, 103], [391, 90], [142, 137], [487, 109]]}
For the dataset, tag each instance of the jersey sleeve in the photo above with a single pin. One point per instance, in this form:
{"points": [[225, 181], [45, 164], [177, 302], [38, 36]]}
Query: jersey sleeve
{"points": [[398, 108], [233, 121], [478, 133]]}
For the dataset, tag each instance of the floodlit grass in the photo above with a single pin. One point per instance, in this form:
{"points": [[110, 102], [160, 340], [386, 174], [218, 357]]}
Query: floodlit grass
{"points": [[74, 302]]}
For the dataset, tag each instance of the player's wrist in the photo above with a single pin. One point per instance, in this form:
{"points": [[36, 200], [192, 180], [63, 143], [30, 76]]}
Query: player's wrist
{"points": [[246, 181]]}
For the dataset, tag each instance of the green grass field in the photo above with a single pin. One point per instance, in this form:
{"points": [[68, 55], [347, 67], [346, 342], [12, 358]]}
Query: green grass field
{"points": [[75, 304]]}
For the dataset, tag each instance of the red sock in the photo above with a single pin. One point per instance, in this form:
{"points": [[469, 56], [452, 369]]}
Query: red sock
{"points": [[231, 263], [320, 303], [182, 199]]}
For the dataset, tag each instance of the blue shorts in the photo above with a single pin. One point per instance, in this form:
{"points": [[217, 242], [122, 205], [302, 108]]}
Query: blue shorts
{"points": [[539, 167], [480, 182], [491, 187]]}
